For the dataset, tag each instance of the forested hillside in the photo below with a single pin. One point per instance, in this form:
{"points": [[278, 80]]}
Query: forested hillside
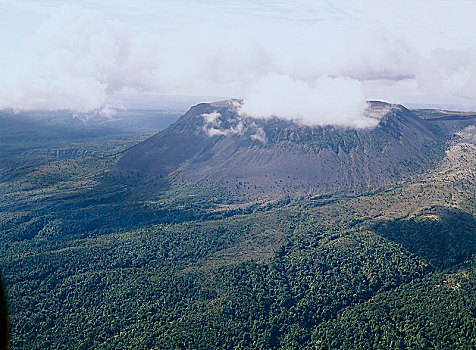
{"points": [[93, 262]]}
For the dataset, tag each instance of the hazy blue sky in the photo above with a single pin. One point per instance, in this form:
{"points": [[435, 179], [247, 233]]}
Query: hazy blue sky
{"points": [[277, 54]]}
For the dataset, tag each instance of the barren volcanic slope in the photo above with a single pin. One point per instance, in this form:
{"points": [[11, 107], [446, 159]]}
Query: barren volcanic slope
{"points": [[213, 146]]}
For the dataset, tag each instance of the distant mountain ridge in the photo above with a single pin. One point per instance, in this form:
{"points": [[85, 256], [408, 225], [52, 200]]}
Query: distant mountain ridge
{"points": [[212, 145]]}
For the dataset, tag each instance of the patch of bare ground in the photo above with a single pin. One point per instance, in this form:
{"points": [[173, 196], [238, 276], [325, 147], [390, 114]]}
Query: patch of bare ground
{"points": [[259, 245]]}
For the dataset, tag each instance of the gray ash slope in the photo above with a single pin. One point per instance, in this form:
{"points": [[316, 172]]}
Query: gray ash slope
{"points": [[213, 146]]}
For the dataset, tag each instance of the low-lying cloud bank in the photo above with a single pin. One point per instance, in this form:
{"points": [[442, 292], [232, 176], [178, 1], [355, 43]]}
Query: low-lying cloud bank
{"points": [[313, 63]]}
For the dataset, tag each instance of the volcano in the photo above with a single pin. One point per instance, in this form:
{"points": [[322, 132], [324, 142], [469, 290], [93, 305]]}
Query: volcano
{"points": [[214, 146]]}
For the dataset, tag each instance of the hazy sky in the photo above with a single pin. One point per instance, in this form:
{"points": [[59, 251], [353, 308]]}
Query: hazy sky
{"points": [[275, 54]]}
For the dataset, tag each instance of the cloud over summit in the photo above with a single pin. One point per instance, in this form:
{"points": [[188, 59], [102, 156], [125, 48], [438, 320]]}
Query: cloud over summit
{"points": [[327, 101]]}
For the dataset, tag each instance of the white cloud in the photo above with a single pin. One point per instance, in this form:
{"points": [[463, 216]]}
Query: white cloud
{"points": [[75, 59], [336, 55], [239, 125], [213, 125], [211, 118], [328, 101], [108, 112], [449, 73]]}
